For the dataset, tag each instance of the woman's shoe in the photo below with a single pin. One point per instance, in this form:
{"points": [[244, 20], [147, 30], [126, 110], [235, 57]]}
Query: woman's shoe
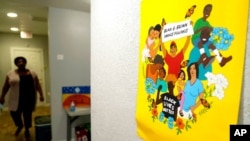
{"points": [[181, 113], [18, 130], [27, 133]]}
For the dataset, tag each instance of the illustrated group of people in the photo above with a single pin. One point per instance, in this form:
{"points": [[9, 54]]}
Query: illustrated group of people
{"points": [[168, 66], [21, 85]]}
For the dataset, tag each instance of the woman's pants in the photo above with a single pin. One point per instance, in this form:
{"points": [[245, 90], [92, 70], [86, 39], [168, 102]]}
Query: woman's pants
{"points": [[17, 118]]}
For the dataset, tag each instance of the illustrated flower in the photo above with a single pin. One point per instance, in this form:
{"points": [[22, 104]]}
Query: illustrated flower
{"points": [[180, 124], [219, 93], [154, 112], [221, 81], [170, 122], [221, 38], [150, 86], [145, 54], [161, 117], [211, 78]]}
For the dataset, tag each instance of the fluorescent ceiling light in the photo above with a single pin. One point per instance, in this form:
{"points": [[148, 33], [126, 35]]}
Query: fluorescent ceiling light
{"points": [[14, 29], [26, 35], [12, 15]]}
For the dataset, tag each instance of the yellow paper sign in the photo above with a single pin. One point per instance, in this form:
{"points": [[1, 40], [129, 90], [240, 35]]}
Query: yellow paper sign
{"points": [[191, 68]]}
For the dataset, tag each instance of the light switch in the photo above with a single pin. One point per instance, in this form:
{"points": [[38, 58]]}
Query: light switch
{"points": [[60, 57]]}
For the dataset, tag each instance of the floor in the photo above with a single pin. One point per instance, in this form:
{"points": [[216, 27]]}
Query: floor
{"points": [[7, 127]]}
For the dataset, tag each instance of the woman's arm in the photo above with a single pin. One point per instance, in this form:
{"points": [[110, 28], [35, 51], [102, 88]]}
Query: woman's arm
{"points": [[5, 89], [39, 89], [164, 50]]}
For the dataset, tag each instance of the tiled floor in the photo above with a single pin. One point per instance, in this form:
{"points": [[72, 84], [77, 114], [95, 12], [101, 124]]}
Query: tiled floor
{"points": [[7, 127]]}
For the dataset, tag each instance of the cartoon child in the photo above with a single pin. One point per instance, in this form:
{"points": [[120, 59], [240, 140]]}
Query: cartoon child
{"points": [[180, 83], [150, 43], [161, 80]]}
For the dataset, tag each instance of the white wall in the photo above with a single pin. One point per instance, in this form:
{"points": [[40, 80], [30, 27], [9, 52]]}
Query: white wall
{"points": [[245, 98], [114, 65], [69, 35]]}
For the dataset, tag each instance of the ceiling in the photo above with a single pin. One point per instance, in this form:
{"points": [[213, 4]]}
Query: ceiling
{"points": [[33, 14]]}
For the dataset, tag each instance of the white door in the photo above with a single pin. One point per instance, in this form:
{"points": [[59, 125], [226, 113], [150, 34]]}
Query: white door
{"points": [[34, 58]]}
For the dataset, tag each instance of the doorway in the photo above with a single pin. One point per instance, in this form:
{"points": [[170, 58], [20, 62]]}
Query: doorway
{"points": [[35, 62]]}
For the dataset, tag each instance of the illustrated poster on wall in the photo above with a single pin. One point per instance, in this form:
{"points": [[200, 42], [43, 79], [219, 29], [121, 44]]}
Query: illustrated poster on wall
{"points": [[190, 69], [80, 95]]}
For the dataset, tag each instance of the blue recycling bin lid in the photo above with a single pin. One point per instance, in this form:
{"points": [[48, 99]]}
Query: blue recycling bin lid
{"points": [[42, 120]]}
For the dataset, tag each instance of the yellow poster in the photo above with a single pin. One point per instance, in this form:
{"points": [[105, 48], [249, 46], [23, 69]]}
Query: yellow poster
{"points": [[191, 68]]}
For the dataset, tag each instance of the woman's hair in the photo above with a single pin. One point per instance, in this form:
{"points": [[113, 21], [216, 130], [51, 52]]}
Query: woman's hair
{"points": [[150, 29], [179, 74], [20, 57], [164, 71], [197, 70], [157, 27], [158, 59]]}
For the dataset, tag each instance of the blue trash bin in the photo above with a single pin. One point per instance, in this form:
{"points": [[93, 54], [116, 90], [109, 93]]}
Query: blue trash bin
{"points": [[43, 128]]}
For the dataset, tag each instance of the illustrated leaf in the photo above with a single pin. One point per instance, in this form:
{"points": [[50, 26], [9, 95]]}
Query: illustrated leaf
{"points": [[150, 107], [178, 131], [165, 121], [153, 118]]}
